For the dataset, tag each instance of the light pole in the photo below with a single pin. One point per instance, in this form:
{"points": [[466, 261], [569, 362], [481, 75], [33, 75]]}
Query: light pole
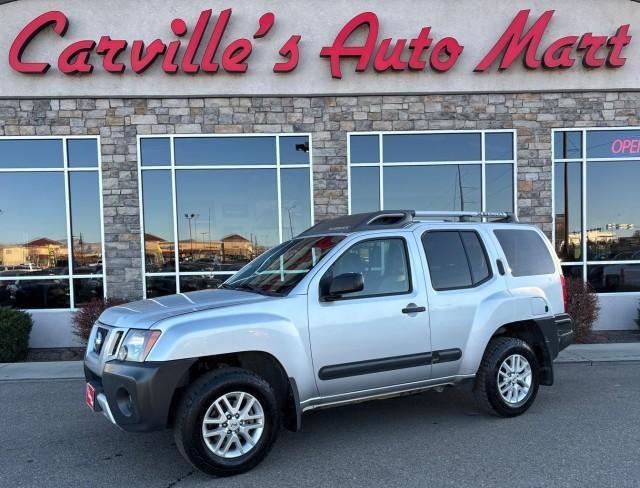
{"points": [[291, 219], [189, 218]]}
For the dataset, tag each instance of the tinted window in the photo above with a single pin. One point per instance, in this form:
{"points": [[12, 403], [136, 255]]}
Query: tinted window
{"points": [[294, 150], [365, 189], [567, 145], [437, 187], [447, 261], [613, 143], [82, 153], [477, 257], [295, 200], [526, 252], [159, 247], [498, 146], [382, 263], [155, 151], [612, 278], [499, 187], [431, 147], [568, 205], [35, 153], [613, 211], [364, 149], [225, 150], [225, 217]]}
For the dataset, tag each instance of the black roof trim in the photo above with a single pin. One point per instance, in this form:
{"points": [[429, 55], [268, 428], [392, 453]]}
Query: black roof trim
{"points": [[386, 219]]}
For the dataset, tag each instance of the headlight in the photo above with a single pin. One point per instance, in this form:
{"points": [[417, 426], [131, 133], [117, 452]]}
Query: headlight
{"points": [[137, 345]]}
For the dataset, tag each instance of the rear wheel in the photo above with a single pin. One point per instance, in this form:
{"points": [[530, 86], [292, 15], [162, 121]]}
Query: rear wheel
{"points": [[227, 422], [508, 378]]}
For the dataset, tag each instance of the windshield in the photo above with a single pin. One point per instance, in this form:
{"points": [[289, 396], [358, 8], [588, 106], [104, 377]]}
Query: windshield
{"points": [[277, 271]]}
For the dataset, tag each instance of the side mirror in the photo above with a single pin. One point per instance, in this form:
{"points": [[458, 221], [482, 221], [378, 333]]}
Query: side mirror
{"points": [[343, 284]]}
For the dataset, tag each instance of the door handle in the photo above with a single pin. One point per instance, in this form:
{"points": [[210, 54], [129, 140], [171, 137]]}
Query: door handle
{"points": [[413, 308]]}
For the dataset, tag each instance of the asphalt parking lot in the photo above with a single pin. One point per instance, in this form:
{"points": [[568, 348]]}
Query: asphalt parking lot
{"points": [[582, 432]]}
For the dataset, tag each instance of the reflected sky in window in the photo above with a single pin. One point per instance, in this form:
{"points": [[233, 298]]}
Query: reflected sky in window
{"points": [[439, 187]]}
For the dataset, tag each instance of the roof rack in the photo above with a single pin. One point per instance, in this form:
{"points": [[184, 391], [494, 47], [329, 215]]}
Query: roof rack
{"points": [[465, 216], [394, 219]]}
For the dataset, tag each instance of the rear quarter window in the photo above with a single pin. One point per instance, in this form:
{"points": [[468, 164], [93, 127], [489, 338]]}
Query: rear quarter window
{"points": [[526, 252]]}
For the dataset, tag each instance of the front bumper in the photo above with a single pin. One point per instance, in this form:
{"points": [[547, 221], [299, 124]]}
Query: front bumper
{"points": [[137, 396]]}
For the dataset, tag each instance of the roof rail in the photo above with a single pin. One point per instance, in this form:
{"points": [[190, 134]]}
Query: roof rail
{"points": [[466, 216]]}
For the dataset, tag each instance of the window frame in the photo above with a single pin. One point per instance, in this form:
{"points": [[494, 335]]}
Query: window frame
{"points": [[483, 162], [66, 169], [466, 255], [376, 295], [584, 161], [172, 167]]}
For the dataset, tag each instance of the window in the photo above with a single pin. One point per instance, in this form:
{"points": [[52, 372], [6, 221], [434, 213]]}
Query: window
{"points": [[596, 206], [463, 170], [526, 252], [383, 264], [211, 204], [456, 259], [51, 245]]}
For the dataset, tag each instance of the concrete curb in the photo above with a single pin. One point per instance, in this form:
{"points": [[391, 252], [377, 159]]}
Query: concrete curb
{"points": [[64, 370]]}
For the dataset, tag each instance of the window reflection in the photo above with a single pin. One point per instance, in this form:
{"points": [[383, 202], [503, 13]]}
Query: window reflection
{"points": [[84, 196], [431, 147], [225, 217], [365, 189], [225, 150], [611, 278], [294, 150], [31, 153], [364, 149], [567, 145], [613, 143], [155, 151], [87, 289], [498, 146], [158, 221], [439, 187], [613, 211], [158, 286], [201, 282], [33, 235], [35, 294], [82, 153], [296, 202], [499, 187], [568, 195]]}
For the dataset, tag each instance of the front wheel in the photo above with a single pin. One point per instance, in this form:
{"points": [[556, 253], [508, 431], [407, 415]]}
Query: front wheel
{"points": [[508, 378], [227, 422]]}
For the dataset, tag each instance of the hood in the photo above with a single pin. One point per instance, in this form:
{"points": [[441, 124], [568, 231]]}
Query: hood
{"points": [[144, 314]]}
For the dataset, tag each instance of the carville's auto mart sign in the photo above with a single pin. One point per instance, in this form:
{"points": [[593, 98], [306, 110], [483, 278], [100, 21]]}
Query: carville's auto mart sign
{"points": [[162, 47]]}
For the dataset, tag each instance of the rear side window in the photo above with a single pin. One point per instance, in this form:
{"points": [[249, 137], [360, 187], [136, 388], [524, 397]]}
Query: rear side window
{"points": [[477, 257], [456, 259], [526, 252]]}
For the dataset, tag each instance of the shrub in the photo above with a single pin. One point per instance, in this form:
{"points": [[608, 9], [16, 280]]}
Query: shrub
{"points": [[15, 327], [88, 314], [582, 305]]}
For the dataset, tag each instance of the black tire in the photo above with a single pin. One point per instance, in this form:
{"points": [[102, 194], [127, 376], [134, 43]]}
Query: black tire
{"points": [[194, 405], [485, 389]]}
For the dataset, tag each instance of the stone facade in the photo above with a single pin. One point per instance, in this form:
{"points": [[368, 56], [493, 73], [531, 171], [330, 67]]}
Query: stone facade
{"points": [[328, 119]]}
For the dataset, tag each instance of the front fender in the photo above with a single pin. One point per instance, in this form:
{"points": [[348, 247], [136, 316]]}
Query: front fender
{"points": [[200, 335]]}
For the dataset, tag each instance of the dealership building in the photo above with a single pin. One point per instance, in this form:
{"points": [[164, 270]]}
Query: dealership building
{"points": [[155, 147]]}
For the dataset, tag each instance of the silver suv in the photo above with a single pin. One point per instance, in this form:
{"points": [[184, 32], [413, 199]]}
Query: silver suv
{"points": [[355, 308]]}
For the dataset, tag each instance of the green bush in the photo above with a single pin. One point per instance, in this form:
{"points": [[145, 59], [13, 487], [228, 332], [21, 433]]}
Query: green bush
{"points": [[15, 327]]}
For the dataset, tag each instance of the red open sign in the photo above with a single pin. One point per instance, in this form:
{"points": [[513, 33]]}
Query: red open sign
{"points": [[625, 146]]}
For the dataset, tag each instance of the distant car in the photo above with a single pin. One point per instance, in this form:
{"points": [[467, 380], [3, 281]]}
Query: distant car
{"points": [[360, 307]]}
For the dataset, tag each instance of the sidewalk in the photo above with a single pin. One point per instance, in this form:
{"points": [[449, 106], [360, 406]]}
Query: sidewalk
{"points": [[576, 353]]}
